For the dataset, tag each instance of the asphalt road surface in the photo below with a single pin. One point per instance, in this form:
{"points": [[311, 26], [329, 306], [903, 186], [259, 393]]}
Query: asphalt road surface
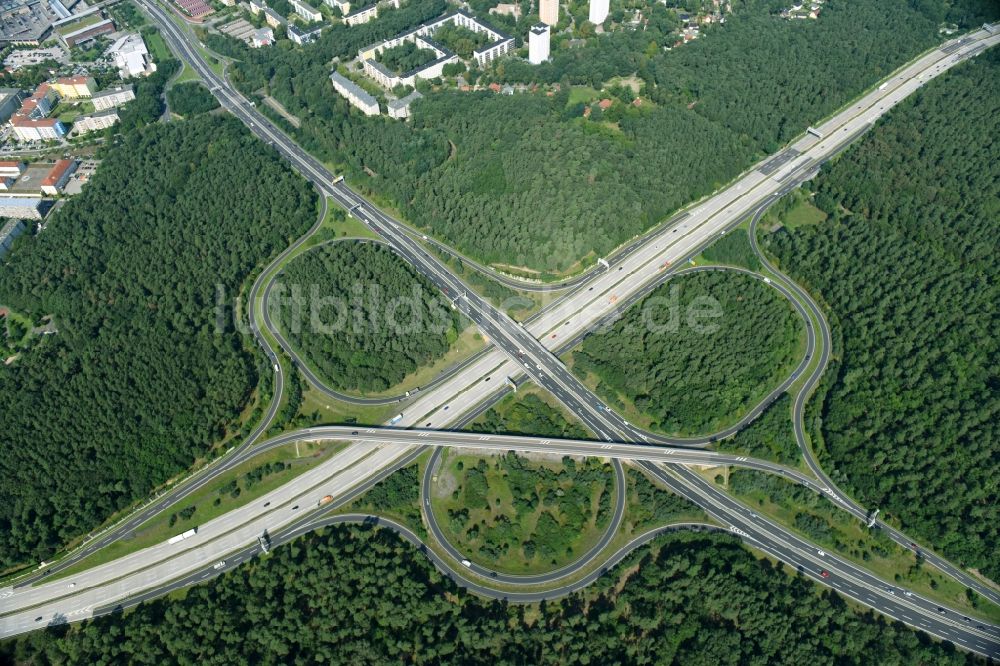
{"points": [[522, 347]]}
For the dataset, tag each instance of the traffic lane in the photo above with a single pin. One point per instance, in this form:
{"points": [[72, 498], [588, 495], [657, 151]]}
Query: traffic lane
{"points": [[798, 411], [220, 527], [144, 568], [760, 532], [740, 516]]}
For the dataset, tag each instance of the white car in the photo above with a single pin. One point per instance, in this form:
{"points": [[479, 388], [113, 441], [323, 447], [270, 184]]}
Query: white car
{"points": [[820, 553], [466, 563]]}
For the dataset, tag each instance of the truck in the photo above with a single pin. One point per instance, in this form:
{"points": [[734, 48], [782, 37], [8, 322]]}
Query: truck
{"points": [[325, 499], [265, 541], [183, 535], [396, 419], [338, 179]]}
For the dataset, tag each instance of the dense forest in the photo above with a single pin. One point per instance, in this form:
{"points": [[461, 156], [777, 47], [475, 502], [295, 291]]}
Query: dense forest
{"points": [[361, 315], [191, 98], [361, 595], [770, 436], [138, 381], [909, 264], [690, 373], [526, 180]]}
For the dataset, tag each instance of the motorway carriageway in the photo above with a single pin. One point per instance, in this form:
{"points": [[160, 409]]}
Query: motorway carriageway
{"points": [[590, 412]]}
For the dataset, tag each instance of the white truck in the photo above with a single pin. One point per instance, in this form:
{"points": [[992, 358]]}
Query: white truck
{"points": [[183, 535]]}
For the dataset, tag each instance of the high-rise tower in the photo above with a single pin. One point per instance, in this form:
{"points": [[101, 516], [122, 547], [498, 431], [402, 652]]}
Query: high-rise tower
{"points": [[548, 11], [538, 44]]}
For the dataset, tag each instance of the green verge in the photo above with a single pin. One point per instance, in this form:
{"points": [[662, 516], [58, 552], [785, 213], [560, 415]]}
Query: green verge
{"points": [[817, 519], [236, 488], [530, 411]]}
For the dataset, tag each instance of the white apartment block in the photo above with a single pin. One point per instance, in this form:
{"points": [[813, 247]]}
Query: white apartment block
{"points": [[400, 108], [273, 18], [305, 10], [422, 37], [344, 7], [301, 37], [354, 94], [598, 11], [45, 129], [362, 15], [548, 11], [95, 121], [112, 97]]}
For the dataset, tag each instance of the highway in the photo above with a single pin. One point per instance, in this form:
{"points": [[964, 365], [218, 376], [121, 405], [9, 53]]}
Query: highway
{"points": [[521, 346]]}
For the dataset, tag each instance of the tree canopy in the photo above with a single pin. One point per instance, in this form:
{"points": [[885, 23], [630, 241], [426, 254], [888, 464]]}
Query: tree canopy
{"points": [[362, 316], [697, 353], [909, 263], [190, 98], [525, 180], [138, 381], [361, 595]]}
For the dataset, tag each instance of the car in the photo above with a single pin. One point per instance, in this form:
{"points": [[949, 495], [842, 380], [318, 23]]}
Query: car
{"points": [[267, 504], [965, 619], [824, 573], [218, 565], [890, 590], [908, 593], [38, 619], [295, 507], [820, 553], [72, 585], [941, 610], [466, 563]]}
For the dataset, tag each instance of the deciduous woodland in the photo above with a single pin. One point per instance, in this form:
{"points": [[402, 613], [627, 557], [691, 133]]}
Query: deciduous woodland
{"points": [[909, 263], [138, 382]]}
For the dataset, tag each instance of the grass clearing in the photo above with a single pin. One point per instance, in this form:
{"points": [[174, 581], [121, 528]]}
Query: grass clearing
{"points": [[321, 409], [237, 487], [157, 47], [522, 515], [582, 94], [803, 214]]}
